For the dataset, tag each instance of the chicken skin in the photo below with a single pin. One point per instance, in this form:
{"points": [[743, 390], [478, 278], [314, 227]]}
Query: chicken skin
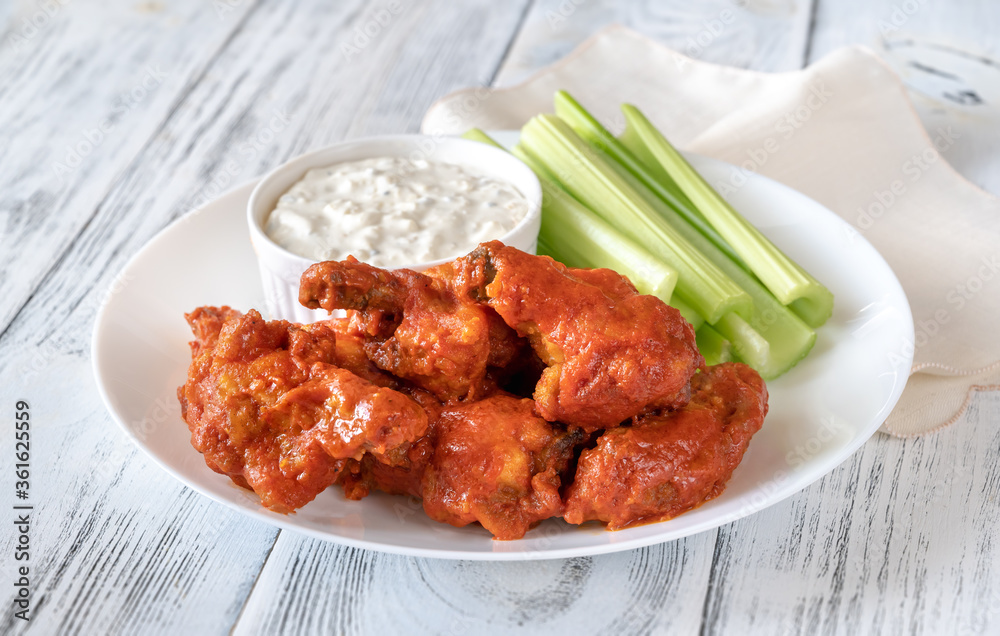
{"points": [[611, 353], [360, 478], [414, 326], [668, 463], [497, 463], [493, 461], [268, 406], [404, 477]]}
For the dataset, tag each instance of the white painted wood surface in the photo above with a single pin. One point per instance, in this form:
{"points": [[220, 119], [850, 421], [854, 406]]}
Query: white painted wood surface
{"points": [[948, 57], [765, 35], [900, 539]]}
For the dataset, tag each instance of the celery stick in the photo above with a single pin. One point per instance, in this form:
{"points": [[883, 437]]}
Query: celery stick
{"points": [[789, 283], [713, 345], [474, 134], [575, 236], [748, 345], [687, 312], [770, 338], [584, 251], [595, 183], [656, 179]]}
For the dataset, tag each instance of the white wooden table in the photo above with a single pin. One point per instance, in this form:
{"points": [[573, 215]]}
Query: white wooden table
{"points": [[116, 117]]}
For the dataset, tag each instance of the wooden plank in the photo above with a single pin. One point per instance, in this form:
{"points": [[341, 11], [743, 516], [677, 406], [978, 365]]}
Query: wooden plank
{"points": [[949, 60], [82, 90], [116, 545], [900, 539], [755, 34], [104, 557], [310, 586]]}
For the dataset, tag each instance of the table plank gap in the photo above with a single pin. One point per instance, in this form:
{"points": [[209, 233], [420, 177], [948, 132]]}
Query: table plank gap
{"points": [[810, 33], [754, 34], [510, 44], [253, 586]]}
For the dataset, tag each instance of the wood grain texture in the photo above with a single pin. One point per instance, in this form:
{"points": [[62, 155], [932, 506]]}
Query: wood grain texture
{"points": [[766, 35], [898, 540], [312, 587], [76, 105], [117, 546], [948, 57]]}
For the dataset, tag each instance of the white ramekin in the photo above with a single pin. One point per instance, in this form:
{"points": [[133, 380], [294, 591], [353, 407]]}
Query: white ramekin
{"points": [[280, 269]]}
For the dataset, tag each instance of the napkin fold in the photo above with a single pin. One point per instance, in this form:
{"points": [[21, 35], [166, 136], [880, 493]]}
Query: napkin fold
{"points": [[843, 132]]}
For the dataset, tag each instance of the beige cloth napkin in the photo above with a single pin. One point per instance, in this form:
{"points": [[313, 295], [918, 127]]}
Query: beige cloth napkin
{"points": [[841, 131]]}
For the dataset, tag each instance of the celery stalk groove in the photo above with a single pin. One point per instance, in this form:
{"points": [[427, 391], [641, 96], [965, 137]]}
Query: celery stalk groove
{"points": [[789, 282]]}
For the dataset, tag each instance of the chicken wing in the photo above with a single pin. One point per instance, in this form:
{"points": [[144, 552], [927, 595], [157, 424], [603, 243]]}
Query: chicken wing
{"points": [[399, 478], [497, 463], [668, 463], [493, 461], [414, 326], [611, 353], [267, 406]]}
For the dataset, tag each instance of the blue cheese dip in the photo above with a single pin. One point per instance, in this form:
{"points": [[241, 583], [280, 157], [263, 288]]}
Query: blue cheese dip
{"points": [[392, 212]]}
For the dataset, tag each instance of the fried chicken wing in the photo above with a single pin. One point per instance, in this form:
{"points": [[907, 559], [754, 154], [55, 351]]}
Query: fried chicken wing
{"points": [[611, 353], [496, 462], [267, 406], [400, 478], [359, 478], [414, 326], [206, 323], [668, 463]]}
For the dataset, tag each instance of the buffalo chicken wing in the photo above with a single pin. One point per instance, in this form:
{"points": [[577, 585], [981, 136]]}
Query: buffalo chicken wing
{"points": [[414, 326], [267, 406], [611, 353], [668, 463]]}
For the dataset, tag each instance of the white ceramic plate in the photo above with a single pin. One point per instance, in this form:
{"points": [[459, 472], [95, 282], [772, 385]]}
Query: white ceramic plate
{"points": [[820, 412]]}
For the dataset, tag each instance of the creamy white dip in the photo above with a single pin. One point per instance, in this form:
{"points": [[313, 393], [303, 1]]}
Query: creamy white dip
{"points": [[391, 212]]}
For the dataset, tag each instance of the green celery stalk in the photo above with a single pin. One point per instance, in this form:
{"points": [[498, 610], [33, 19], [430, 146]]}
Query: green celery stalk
{"points": [[653, 176], [747, 344], [649, 277], [596, 184], [577, 237], [475, 134], [770, 337], [713, 345], [687, 312], [789, 282]]}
